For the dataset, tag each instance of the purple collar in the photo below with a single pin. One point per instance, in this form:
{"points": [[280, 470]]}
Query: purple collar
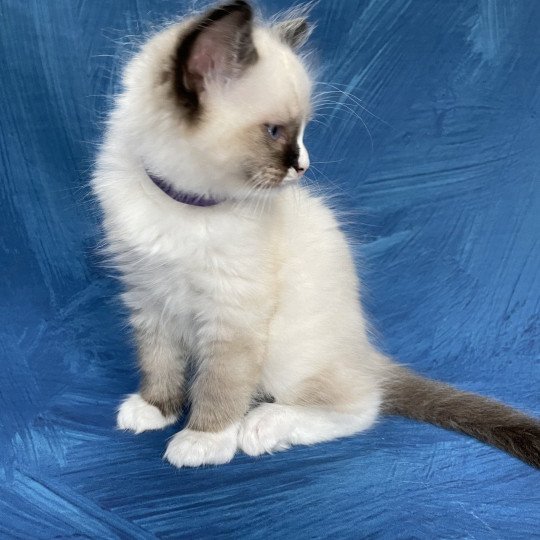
{"points": [[182, 196]]}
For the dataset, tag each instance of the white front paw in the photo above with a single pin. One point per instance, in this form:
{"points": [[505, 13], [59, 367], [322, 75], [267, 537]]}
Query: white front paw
{"points": [[189, 448], [137, 415], [266, 429]]}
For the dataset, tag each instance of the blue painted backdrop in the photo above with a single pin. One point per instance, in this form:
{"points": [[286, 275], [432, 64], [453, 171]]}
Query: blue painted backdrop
{"points": [[437, 170]]}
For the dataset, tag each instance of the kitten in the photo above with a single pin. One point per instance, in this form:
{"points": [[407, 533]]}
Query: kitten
{"points": [[230, 264]]}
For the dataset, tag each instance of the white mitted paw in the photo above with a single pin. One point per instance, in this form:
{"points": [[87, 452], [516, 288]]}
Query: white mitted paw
{"points": [[136, 415], [266, 429], [272, 427], [189, 448]]}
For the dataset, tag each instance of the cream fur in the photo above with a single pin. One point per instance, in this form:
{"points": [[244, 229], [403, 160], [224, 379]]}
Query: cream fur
{"points": [[274, 265]]}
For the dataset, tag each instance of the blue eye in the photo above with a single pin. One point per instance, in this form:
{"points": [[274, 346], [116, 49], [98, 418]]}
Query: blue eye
{"points": [[274, 131]]}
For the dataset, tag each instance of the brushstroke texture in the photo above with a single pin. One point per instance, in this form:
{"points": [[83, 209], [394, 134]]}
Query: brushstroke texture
{"points": [[443, 192]]}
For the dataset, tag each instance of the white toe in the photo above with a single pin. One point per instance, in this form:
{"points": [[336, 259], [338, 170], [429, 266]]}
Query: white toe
{"points": [[136, 415], [189, 448], [265, 429]]}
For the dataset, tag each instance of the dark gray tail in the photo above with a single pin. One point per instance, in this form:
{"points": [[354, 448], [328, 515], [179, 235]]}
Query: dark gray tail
{"points": [[487, 420]]}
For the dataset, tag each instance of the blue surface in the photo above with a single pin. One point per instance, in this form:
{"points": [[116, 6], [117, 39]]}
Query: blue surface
{"points": [[445, 197]]}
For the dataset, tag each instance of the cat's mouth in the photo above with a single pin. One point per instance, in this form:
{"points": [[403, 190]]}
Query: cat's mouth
{"points": [[292, 177], [274, 179]]}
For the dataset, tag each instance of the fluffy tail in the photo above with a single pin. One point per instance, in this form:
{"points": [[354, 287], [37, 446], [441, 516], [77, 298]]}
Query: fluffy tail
{"points": [[489, 421]]}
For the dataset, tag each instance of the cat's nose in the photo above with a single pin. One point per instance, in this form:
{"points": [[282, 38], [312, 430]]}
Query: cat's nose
{"points": [[302, 161], [302, 164], [300, 170]]}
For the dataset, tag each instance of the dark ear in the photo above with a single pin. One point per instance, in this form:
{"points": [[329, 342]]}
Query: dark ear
{"points": [[294, 32], [218, 46]]}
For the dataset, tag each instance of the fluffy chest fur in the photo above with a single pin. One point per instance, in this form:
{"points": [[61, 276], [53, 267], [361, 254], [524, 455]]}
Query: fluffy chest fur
{"points": [[198, 270]]}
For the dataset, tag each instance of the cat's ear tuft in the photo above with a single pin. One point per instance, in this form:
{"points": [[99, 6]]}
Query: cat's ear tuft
{"points": [[295, 32], [218, 47]]}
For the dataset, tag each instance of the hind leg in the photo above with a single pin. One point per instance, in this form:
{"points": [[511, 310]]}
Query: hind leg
{"points": [[315, 400], [272, 427]]}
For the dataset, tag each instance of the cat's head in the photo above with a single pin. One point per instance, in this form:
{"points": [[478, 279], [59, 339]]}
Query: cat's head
{"points": [[218, 104]]}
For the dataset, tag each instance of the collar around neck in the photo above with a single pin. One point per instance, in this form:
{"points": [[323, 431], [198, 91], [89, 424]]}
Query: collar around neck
{"points": [[184, 197]]}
